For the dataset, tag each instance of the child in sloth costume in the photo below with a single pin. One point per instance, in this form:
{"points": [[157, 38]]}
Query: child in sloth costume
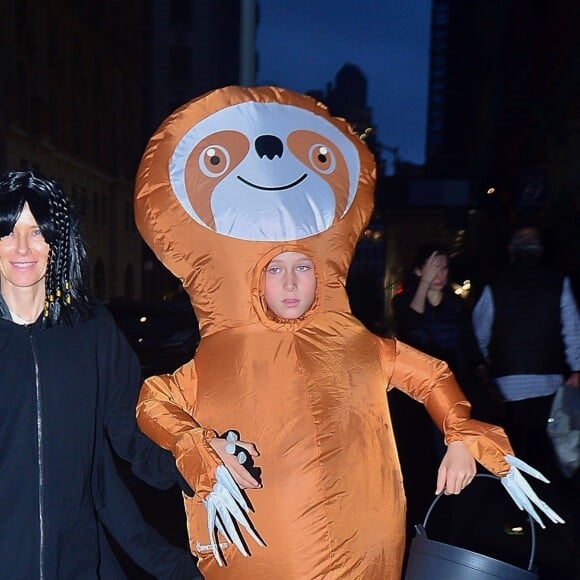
{"points": [[229, 181]]}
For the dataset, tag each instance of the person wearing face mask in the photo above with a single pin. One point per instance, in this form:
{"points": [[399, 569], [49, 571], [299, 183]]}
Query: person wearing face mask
{"points": [[527, 324]]}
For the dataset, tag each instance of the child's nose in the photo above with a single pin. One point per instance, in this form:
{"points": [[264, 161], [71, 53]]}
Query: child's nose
{"points": [[289, 281]]}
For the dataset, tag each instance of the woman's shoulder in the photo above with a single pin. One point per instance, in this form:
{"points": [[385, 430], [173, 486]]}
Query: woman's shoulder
{"points": [[103, 316], [99, 309], [97, 315]]}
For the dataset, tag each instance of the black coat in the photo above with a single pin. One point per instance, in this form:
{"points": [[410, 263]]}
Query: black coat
{"points": [[526, 336], [66, 393], [443, 331]]}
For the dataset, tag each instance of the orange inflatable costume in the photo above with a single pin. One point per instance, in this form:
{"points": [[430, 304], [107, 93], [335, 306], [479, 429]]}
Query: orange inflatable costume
{"points": [[226, 183]]}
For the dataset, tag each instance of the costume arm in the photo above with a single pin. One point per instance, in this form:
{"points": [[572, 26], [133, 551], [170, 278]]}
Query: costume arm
{"points": [[429, 381], [165, 413]]}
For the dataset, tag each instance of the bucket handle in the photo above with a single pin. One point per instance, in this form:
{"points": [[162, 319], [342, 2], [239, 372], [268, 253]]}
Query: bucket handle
{"points": [[532, 528]]}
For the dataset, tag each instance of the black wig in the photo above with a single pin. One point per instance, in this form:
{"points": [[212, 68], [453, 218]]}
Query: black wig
{"points": [[66, 281]]}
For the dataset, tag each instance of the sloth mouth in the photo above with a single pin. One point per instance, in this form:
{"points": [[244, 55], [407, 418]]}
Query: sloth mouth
{"points": [[273, 188]]}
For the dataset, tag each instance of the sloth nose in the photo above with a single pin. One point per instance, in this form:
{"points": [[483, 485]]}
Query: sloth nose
{"points": [[269, 146]]}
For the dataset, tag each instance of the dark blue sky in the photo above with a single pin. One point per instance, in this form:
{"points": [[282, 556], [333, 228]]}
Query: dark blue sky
{"points": [[302, 44]]}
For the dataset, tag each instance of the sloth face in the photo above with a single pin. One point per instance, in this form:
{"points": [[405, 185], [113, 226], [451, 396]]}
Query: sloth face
{"points": [[265, 172]]}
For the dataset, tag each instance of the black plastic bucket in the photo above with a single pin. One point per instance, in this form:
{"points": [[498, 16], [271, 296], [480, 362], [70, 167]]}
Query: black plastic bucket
{"points": [[432, 560]]}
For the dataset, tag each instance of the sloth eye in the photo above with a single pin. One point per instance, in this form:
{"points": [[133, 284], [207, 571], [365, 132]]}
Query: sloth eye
{"points": [[322, 158], [214, 161]]}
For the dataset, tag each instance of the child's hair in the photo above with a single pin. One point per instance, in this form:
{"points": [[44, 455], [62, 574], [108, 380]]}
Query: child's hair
{"points": [[66, 280]]}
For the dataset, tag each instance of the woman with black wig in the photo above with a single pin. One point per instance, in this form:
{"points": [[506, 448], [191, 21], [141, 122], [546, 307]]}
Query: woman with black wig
{"points": [[68, 388]]}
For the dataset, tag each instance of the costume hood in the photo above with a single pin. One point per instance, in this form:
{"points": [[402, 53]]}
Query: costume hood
{"points": [[239, 175]]}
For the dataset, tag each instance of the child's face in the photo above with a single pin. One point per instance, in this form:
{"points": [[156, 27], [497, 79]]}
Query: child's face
{"points": [[290, 284]]}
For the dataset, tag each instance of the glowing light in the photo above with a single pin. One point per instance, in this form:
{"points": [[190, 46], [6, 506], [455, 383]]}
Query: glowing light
{"points": [[514, 530], [462, 289], [491, 191]]}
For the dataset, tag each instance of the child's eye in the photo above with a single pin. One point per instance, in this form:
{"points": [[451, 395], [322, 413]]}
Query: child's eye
{"points": [[304, 268], [273, 270]]}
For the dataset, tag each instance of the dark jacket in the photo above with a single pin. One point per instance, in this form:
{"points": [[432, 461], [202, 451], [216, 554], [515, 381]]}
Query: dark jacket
{"points": [[446, 332], [65, 392], [527, 329], [443, 331]]}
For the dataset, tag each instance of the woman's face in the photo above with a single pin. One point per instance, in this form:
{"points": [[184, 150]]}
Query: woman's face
{"points": [[435, 269], [23, 254]]}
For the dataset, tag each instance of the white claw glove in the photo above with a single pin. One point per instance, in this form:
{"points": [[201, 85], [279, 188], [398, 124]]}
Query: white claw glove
{"points": [[522, 493], [224, 504]]}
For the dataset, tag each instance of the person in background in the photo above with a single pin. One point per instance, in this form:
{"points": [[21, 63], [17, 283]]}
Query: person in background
{"points": [[432, 318], [68, 387], [527, 325]]}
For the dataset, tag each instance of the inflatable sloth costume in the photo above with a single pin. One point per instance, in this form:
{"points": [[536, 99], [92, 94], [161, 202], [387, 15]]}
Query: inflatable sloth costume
{"points": [[229, 181]]}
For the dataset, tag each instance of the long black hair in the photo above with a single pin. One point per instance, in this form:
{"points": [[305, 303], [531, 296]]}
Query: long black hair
{"points": [[67, 273]]}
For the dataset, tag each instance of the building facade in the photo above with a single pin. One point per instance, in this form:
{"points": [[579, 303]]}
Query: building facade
{"points": [[192, 47], [71, 108], [504, 113]]}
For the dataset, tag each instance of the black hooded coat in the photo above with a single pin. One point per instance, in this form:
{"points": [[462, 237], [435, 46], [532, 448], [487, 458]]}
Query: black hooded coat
{"points": [[67, 397]]}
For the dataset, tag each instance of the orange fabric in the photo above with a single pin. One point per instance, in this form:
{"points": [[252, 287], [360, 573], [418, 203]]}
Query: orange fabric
{"points": [[310, 393]]}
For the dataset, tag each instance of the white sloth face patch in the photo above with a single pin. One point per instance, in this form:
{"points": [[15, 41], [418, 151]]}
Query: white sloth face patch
{"points": [[265, 172]]}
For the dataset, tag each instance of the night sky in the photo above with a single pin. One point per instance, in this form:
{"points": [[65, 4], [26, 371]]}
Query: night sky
{"points": [[302, 44]]}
